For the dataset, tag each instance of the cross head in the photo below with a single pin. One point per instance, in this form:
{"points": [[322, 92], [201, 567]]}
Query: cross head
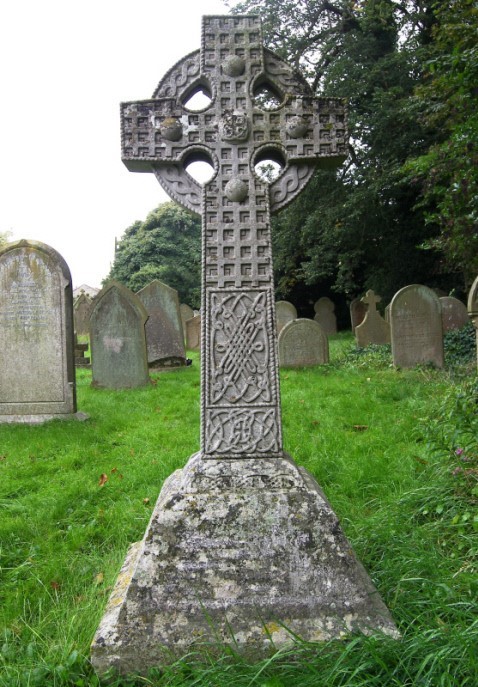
{"points": [[259, 109]]}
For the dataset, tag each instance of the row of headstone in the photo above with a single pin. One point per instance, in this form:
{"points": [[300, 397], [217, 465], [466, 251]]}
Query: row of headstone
{"points": [[324, 310]]}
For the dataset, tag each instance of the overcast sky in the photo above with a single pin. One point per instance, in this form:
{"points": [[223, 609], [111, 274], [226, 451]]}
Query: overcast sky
{"points": [[65, 67]]}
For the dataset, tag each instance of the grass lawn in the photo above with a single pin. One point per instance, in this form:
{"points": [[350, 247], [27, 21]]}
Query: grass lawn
{"points": [[396, 453]]}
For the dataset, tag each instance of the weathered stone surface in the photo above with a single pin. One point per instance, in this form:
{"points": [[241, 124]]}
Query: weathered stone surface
{"points": [[117, 339], [303, 343], [416, 327], [285, 312], [241, 541], [454, 314], [37, 366], [193, 333], [81, 313], [325, 315], [472, 308], [374, 329], [164, 330], [186, 314], [357, 313], [247, 553]]}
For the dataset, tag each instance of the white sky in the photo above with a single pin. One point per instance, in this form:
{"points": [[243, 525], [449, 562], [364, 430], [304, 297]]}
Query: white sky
{"points": [[65, 67]]}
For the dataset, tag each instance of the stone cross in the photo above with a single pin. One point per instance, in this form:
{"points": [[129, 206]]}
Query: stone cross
{"points": [[371, 300], [259, 109]]}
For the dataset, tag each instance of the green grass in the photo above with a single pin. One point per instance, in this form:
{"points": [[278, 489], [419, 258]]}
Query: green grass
{"points": [[380, 442]]}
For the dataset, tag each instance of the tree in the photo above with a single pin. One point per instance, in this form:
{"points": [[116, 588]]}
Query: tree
{"points": [[166, 246], [361, 227], [4, 237]]}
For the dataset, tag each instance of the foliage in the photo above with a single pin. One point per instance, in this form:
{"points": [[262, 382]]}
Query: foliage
{"points": [[460, 346], [166, 246], [4, 237], [447, 172]]}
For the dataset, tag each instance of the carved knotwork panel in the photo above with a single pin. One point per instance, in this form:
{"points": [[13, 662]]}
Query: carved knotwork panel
{"points": [[242, 431]]}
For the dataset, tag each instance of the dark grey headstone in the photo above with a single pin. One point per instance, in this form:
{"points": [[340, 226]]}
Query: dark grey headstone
{"points": [[325, 315], [117, 339], [416, 327], [164, 330], [37, 368], [454, 314], [193, 333], [303, 343], [285, 312], [82, 311], [186, 314]]}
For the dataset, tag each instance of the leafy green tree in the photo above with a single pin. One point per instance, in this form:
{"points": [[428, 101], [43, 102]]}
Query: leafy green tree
{"points": [[447, 172], [166, 246]]}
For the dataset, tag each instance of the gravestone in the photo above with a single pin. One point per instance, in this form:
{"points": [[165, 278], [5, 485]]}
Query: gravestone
{"points": [[374, 329], [193, 333], [454, 314], [242, 547], [325, 315], [80, 358], [472, 308], [186, 314], [358, 310], [117, 339], [285, 312], [303, 343], [416, 327], [164, 329], [37, 366], [81, 313]]}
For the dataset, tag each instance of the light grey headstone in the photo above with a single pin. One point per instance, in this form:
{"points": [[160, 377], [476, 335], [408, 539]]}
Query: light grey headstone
{"points": [[117, 339], [81, 312], [37, 366], [472, 307], [325, 315], [285, 312], [186, 313], [374, 329], [358, 310], [303, 343], [242, 543], [454, 314], [416, 327], [193, 333], [164, 329]]}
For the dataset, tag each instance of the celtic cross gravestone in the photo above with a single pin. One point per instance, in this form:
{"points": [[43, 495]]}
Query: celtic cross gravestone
{"points": [[242, 547]]}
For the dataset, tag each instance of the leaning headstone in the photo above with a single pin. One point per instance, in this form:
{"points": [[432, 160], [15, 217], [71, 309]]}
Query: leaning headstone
{"points": [[117, 339], [358, 310], [454, 314], [303, 343], [193, 333], [285, 312], [81, 313], [472, 308], [374, 329], [416, 327], [242, 547], [164, 329], [37, 367], [186, 314], [325, 315]]}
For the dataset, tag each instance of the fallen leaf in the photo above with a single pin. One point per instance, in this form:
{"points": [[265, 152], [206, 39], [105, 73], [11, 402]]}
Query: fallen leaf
{"points": [[360, 428], [55, 585], [114, 470], [3, 457], [103, 479], [157, 410], [315, 423], [131, 453], [145, 501], [120, 476], [420, 460], [154, 382], [99, 578]]}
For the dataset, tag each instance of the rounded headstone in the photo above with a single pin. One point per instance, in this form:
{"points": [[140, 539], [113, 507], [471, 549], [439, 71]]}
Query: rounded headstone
{"points": [[454, 314], [303, 343], [285, 312]]}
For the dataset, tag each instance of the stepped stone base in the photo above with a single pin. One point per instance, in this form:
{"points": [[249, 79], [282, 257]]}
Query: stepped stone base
{"points": [[241, 552]]}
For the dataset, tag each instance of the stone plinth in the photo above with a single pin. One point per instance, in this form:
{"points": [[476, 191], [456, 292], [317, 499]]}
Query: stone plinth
{"points": [[245, 552]]}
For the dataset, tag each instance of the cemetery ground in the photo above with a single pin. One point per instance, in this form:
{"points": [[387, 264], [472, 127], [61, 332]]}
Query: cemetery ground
{"points": [[396, 452]]}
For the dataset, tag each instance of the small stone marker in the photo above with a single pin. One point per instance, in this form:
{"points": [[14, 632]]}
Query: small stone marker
{"points": [[37, 366], [117, 339], [416, 327], [472, 308], [186, 314], [454, 314], [80, 349], [303, 343], [358, 311], [325, 315], [285, 312], [242, 548], [193, 333], [374, 329], [81, 312], [164, 329]]}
